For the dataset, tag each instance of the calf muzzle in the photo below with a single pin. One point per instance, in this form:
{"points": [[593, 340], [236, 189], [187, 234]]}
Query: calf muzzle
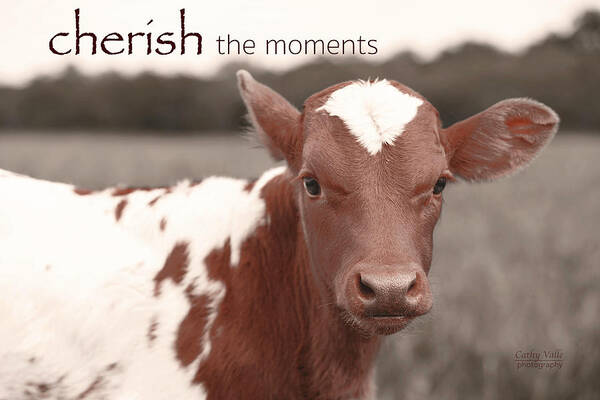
{"points": [[387, 291]]}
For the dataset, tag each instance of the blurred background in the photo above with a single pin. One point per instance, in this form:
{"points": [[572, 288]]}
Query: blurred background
{"points": [[516, 262]]}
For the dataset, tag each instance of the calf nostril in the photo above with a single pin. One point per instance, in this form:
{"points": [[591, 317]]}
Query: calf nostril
{"points": [[416, 286], [412, 288], [364, 289]]}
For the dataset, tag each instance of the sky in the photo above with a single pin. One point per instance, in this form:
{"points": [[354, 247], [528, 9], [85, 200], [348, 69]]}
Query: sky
{"points": [[423, 26]]}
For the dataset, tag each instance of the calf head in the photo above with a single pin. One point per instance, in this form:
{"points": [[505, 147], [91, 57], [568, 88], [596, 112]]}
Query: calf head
{"points": [[370, 160]]}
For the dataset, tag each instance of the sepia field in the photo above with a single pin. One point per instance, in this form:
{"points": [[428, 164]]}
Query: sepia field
{"points": [[516, 262]]}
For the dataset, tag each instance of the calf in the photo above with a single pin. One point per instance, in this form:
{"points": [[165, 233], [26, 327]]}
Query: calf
{"points": [[279, 288]]}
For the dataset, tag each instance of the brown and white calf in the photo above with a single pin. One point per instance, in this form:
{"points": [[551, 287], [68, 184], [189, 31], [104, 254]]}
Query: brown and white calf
{"points": [[279, 288]]}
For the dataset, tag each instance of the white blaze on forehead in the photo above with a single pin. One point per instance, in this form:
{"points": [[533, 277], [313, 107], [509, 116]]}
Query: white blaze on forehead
{"points": [[374, 112]]}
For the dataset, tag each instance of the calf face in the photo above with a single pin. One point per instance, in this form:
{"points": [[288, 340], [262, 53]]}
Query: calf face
{"points": [[370, 161]]}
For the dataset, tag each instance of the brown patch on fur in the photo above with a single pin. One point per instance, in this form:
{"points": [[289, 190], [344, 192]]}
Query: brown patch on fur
{"points": [[250, 185], [42, 390], [43, 387], [82, 192], [151, 335], [196, 182], [91, 388], [163, 224], [127, 190], [191, 330], [152, 202], [175, 266], [119, 209], [112, 366]]}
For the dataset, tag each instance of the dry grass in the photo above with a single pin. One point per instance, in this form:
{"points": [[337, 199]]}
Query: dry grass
{"points": [[96, 160], [516, 263]]}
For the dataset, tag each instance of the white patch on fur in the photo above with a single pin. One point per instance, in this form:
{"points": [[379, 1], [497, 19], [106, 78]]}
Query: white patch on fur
{"points": [[251, 214], [77, 289], [374, 112]]}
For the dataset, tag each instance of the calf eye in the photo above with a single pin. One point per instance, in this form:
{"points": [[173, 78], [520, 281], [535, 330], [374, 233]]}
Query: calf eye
{"points": [[439, 185], [312, 186]]}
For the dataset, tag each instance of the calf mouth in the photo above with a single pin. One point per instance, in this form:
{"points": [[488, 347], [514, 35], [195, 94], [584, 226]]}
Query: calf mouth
{"points": [[387, 324], [382, 325]]}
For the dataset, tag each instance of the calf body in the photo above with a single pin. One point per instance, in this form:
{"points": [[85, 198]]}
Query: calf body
{"points": [[277, 288], [187, 292]]}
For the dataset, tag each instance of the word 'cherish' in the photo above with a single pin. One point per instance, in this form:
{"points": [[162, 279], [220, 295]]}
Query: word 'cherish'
{"points": [[114, 43]]}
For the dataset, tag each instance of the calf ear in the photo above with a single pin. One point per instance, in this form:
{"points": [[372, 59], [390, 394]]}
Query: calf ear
{"points": [[500, 140], [275, 120]]}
